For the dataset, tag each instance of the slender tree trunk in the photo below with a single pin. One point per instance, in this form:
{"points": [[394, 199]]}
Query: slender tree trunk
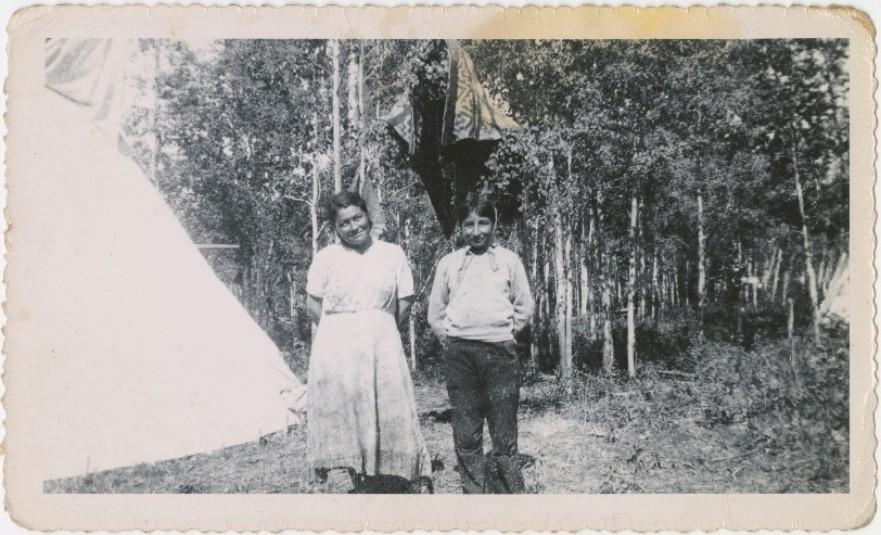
{"points": [[560, 299], [776, 276], [605, 288], [362, 117], [809, 259], [769, 279], [411, 320], [655, 297], [588, 261], [631, 292], [701, 265], [313, 206], [754, 283], [790, 329], [536, 315], [569, 284], [292, 296], [784, 295], [335, 104], [675, 290]]}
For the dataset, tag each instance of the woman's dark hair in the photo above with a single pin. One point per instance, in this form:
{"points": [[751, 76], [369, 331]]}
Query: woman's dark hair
{"points": [[345, 199], [477, 204]]}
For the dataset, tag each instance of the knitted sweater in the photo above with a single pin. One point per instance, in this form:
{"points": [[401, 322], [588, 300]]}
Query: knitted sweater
{"points": [[480, 296]]}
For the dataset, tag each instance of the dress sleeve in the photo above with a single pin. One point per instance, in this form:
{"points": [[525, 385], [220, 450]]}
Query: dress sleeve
{"points": [[403, 276], [316, 278]]}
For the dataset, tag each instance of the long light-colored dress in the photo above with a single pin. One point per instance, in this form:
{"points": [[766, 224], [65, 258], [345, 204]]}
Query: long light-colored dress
{"points": [[361, 407]]}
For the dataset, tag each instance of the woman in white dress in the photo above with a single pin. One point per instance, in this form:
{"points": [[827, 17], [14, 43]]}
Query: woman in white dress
{"points": [[361, 408]]}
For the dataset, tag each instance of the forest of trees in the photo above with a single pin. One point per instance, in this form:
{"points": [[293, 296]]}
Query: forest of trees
{"points": [[661, 184]]}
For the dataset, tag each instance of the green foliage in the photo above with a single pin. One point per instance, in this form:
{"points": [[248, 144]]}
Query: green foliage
{"points": [[232, 134]]}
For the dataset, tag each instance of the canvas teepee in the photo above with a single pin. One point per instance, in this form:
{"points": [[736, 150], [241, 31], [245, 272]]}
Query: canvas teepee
{"points": [[135, 349]]}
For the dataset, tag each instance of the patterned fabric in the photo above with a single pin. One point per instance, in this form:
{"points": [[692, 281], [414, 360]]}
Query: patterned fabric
{"points": [[361, 406], [477, 116]]}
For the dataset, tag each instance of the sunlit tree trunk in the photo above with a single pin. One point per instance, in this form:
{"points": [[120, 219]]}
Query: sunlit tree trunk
{"points": [[631, 292], [569, 284], [655, 297], [776, 276], [784, 294], [809, 259], [560, 298], [335, 111], [605, 289], [701, 265], [411, 320], [536, 315]]}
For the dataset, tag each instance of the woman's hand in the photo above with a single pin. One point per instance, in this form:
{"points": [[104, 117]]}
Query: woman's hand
{"points": [[313, 308], [404, 310]]}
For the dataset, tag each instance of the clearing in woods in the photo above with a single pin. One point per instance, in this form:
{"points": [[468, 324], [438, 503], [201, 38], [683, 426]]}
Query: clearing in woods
{"points": [[731, 421]]}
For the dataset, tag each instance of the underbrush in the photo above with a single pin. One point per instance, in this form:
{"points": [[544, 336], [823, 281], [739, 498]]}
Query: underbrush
{"points": [[722, 420]]}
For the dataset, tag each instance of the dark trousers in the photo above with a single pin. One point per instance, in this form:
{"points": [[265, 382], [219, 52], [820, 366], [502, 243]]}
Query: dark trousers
{"points": [[483, 381]]}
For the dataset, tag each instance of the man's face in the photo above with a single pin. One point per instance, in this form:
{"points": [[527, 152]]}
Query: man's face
{"points": [[478, 231]]}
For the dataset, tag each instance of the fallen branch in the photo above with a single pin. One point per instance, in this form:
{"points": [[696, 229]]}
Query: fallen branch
{"points": [[732, 457], [678, 373]]}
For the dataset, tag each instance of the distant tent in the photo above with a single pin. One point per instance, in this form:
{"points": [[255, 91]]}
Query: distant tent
{"points": [[143, 353], [449, 140]]}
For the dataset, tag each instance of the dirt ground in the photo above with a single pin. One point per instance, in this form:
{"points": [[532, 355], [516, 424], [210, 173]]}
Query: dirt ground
{"points": [[731, 422]]}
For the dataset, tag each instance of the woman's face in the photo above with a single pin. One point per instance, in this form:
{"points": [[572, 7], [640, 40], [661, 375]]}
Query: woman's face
{"points": [[478, 231], [352, 226]]}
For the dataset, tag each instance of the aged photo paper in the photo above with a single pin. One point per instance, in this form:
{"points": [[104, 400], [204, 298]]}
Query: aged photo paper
{"points": [[280, 268]]}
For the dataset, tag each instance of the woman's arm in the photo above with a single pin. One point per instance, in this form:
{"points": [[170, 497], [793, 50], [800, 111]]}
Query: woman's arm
{"points": [[404, 309], [313, 308]]}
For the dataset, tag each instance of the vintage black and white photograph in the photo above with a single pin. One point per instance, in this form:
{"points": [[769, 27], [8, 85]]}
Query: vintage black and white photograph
{"points": [[489, 266], [279, 270]]}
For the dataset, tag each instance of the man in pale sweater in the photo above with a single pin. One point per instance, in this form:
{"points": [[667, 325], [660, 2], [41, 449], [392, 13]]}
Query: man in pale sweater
{"points": [[479, 302]]}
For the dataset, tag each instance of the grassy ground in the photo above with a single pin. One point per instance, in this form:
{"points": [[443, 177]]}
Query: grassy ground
{"points": [[725, 421]]}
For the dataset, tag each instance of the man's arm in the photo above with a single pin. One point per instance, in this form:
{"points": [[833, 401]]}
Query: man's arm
{"points": [[437, 302], [521, 298]]}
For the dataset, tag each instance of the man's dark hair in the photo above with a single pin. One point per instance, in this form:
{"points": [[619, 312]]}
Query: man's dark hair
{"points": [[477, 204], [345, 199]]}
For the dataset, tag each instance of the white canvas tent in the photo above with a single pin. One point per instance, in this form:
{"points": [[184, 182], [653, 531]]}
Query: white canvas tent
{"points": [[136, 350]]}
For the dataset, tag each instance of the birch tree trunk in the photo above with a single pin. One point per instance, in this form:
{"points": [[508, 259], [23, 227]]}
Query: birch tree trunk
{"points": [[605, 289], [784, 294], [776, 275], [655, 297], [631, 292], [560, 298], [411, 320], [569, 284], [335, 107], [701, 266], [536, 315], [809, 259]]}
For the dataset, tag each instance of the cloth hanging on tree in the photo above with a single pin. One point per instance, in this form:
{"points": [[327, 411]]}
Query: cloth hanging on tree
{"points": [[449, 138]]}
